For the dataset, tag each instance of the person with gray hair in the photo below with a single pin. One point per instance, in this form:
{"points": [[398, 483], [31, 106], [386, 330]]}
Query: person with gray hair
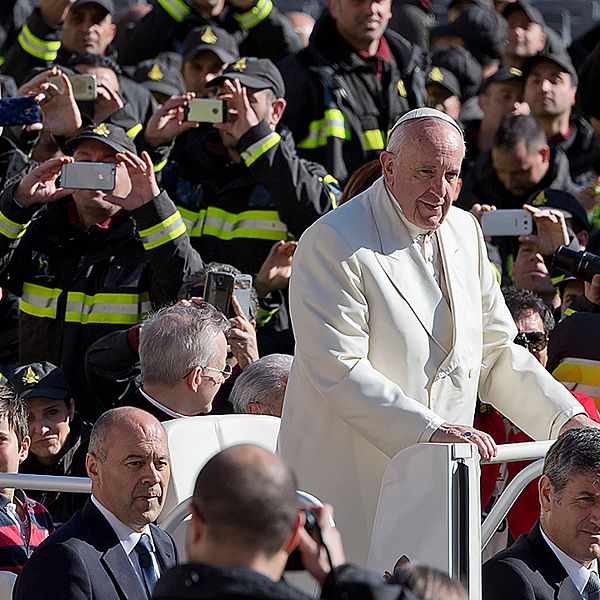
{"points": [[558, 558], [183, 352], [400, 324], [260, 389]]}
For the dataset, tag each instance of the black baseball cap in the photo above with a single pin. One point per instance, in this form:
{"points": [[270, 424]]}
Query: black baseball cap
{"points": [[211, 38], [158, 76], [502, 75], [566, 203], [257, 73], [107, 133], [443, 77], [460, 62], [106, 4], [40, 380], [561, 59], [531, 12]]}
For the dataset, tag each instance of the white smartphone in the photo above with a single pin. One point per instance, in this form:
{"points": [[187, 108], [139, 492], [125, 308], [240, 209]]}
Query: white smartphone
{"points": [[507, 222], [88, 176], [242, 287], [84, 86]]}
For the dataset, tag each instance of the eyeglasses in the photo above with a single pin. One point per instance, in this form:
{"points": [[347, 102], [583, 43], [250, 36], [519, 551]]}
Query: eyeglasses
{"points": [[535, 341], [225, 373]]}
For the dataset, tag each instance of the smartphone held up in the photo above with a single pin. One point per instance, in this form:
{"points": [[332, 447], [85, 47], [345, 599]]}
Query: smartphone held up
{"points": [[507, 222]]}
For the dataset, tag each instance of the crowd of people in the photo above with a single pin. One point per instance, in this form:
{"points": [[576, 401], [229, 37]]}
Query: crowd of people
{"points": [[344, 156]]}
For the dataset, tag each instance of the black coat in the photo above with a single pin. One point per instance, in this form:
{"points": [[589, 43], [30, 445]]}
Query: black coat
{"points": [[527, 570], [84, 560]]}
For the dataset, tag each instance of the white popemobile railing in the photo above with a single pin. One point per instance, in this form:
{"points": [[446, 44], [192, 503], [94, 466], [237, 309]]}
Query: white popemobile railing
{"points": [[429, 506]]}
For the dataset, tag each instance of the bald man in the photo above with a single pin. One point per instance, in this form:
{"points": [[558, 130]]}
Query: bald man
{"points": [[245, 523], [110, 549], [399, 325]]}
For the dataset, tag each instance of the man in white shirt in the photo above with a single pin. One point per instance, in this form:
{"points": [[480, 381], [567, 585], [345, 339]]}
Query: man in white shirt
{"points": [[110, 549], [558, 558]]}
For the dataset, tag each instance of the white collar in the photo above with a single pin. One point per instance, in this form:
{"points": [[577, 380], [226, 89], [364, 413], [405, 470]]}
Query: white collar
{"points": [[165, 409], [128, 537], [577, 572]]}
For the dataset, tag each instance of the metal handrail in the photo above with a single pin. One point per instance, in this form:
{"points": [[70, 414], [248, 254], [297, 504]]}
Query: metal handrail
{"points": [[52, 483], [520, 451]]}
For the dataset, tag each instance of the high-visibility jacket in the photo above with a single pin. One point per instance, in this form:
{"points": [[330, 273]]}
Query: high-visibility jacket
{"points": [[234, 213], [338, 111], [13, 15], [76, 286]]}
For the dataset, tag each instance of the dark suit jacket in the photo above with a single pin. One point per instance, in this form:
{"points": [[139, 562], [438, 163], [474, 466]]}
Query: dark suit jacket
{"points": [[527, 570], [84, 560]]}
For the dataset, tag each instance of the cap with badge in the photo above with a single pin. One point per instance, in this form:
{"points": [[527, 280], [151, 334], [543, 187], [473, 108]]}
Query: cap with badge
{"points": [[460, 62], [159, 76], [40, 380], [502, 75], [107, 133], [562, 60], [444, 78], [108, 5], [212, 39], [531, 12], [256, 73], [567, 204]]}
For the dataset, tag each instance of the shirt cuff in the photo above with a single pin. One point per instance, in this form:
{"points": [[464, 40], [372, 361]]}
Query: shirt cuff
{"points": [[563, 417], [431, 427]]}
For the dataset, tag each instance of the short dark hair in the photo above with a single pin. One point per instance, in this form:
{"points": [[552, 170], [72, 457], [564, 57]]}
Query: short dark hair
{"points": [[14, 410], [245, 501], [521, 301], [428, 583], [575, 452], [94, 60], [515, 129]]}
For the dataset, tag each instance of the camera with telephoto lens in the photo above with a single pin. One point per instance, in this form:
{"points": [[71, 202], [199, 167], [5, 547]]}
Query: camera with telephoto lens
{"points": [[294, 562], [582, 265]]}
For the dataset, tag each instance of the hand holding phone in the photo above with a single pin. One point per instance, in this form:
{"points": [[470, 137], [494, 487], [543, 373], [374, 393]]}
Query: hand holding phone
{"points": [[206, 110], [88, 176], [40, 185]]}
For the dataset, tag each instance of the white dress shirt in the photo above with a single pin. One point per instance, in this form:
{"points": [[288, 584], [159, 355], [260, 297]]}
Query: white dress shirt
{"points": [[576, 571]]}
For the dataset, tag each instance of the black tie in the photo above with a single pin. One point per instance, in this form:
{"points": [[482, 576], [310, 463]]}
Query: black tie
{"points": [[592, 587], [147, 562]]}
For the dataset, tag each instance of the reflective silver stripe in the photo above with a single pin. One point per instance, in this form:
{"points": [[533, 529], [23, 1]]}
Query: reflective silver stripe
{"points": [[106, 308], [11, 229], [161, 233], [39, 301]]}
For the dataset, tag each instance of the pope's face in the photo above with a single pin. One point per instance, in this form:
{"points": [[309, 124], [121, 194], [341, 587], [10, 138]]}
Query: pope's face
{"points": [[423, 172]]}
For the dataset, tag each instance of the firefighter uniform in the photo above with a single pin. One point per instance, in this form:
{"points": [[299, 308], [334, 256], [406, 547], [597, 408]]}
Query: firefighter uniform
{"points": [[341, 105], [76, 285]]}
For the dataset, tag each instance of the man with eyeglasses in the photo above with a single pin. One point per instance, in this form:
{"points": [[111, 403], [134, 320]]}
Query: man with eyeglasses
{"points": [[534, 321], [182, 351]]}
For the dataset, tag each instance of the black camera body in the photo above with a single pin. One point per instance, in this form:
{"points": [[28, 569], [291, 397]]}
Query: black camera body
{"points": [[311, 525], [582, 265]]}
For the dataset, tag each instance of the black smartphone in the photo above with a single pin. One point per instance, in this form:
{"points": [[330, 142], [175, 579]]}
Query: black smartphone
{"points": [[19, 111], [218, 290]]}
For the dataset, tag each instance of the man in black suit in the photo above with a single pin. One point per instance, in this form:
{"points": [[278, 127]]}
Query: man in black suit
{"points": [[558, 558], [110, 549]]}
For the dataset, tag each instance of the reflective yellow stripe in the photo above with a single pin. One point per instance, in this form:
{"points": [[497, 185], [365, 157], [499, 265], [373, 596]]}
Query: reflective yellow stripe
{"points": [[568, 312], [163, 232], [249, 224], [117, 309], [176, 9], [258, 13], [330, 181], [11, 229], [264, 315], [333, 124], [39, 301], [131, 133], [36, 46], [583, 371], [159, 166], [1, 60], [256, 150], [373, 139]]}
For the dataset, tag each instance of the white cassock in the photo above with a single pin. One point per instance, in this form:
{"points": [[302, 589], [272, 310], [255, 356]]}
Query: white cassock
{"points": [[382, 359]]}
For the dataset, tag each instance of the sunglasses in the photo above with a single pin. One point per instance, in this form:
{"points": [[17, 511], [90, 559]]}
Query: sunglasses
{"points": [[535, 341]]}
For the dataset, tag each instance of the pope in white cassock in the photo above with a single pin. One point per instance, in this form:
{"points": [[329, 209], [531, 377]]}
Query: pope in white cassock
{"points": [[400, 324]]}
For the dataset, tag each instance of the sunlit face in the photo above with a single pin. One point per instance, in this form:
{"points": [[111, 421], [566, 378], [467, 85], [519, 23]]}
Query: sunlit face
{"points": [[132, 481], [49, 423], [424, 176], [520, 169], [525, 38], [549, 90], [361, 22], [532, 322], [502, 98], [200, 71], [572, 518], [444, 100], [530, 271], [88, 29]]}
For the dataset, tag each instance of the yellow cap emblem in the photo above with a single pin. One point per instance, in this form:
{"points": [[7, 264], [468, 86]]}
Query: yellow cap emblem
{"points": [[436, 75], [102, 130], [401, 88], [30, 377], [240, 65], [540, 199], [155, 73], [209, 37], [516, 71]]}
